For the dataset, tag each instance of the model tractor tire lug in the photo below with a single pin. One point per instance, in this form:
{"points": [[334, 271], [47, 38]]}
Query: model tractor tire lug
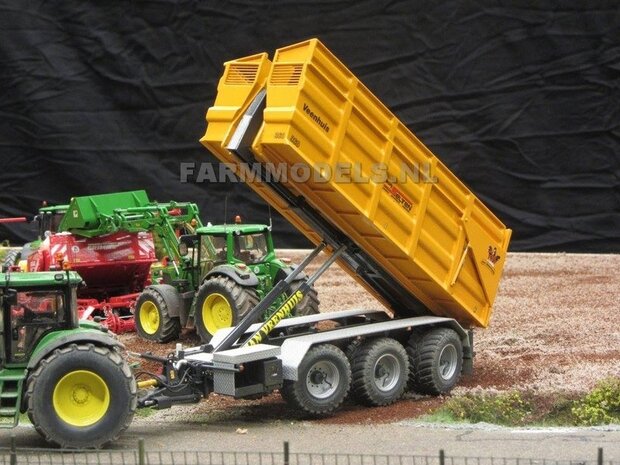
{"points": [[153, 320], [81, 396], [221, 303]]}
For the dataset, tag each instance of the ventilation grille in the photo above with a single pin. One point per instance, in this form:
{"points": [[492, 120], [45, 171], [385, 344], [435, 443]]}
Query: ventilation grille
{"points": [[241, 74], [286, 75]]}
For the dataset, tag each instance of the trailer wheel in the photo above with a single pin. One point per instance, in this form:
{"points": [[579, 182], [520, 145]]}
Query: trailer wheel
{"points": [[81, 396], [436, 359], [412, 353], [221, 303], [153, 320], [10, 259], [380, 371], [324, 379]]}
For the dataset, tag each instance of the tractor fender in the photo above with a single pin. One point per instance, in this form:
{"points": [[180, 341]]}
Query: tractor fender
{"points": [[242, 277], [171, 296], [287, 270], [55, 341]]}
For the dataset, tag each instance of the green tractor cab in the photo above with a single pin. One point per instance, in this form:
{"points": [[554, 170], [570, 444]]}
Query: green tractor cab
{"points": [[234, 267], [68, 376]]}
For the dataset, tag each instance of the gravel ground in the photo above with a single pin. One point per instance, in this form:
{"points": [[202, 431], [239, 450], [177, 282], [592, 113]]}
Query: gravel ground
{"points": [[555, 330]]}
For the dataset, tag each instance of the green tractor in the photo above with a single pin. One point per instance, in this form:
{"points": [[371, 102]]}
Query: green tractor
{"points": [[68, 376], [233, 268]]}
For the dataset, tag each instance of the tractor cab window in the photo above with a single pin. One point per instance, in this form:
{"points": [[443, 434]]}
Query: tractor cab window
{"points": [[212, 251], [33, 315], [218, 248], [250, 248]]}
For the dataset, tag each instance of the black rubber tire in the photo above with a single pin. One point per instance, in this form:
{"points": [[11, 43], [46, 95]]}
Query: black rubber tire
{"points": [[169, 327], [384, 357], [11, 258], [241, 300], [297, 393], [428, 372], [105, 362], [309, 305], [351, 349], [412, 353]]}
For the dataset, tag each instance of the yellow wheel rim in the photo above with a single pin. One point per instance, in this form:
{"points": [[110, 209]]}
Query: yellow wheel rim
{"points": [[81, 398], [149, 317], [216, 313]]}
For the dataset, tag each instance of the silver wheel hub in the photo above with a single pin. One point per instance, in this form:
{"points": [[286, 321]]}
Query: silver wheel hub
{"points": [[386, 372], [448, 362], [322, 379]]}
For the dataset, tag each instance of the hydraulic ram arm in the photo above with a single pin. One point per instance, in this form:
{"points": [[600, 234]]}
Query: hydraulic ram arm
{"points": [[250, 318], [288, 306]]}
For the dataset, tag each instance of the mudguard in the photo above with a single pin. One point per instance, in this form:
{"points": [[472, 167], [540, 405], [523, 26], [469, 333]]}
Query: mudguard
{"points": [[242, 277], [47, 346], [171, 296], [287, 270]]}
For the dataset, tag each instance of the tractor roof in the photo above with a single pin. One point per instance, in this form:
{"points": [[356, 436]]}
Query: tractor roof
{"points": [[45, 278], [222, 229]]}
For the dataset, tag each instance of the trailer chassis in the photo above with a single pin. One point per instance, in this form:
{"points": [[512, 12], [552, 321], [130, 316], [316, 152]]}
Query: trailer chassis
{"points": [[254, 359]]}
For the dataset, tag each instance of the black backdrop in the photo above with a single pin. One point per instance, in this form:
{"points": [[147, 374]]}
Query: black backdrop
{"points": [[521, 101]]}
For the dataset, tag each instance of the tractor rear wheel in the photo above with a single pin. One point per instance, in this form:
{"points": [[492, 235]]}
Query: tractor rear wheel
{"points": [[380, 372], [153, 320], [221, 303], [436, 360], [309, 305], [81, 396], [323, 381]]}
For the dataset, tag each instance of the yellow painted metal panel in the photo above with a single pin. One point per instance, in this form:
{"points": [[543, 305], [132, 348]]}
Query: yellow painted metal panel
{"points": [[372, 179]]}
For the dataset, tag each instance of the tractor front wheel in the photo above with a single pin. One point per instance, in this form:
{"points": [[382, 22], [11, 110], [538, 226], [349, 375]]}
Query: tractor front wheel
{"points": [[81, 396], [221, 303], [153, 320]]}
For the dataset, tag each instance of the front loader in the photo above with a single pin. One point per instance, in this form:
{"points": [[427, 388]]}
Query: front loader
{"points": [[112, 240], [133, 255], [68, 376]]}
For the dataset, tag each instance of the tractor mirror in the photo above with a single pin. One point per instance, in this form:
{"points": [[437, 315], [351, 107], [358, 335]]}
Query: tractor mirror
{"points": [[10, 296], [183, 250], [185, 242]]}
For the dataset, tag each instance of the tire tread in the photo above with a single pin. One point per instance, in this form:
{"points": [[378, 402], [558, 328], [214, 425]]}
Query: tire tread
{"points": [[422, 349]]}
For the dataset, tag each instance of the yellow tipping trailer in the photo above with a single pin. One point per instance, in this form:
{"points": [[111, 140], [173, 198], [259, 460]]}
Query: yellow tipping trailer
{"points": [[342, 168], [310, 139]]}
